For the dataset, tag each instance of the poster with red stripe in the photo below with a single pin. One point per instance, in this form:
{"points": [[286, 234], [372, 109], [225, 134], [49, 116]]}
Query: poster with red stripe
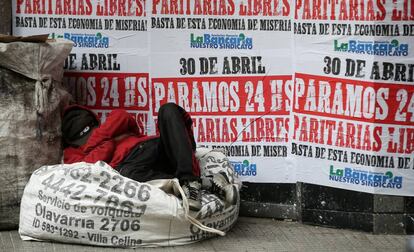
{"points": [[353, 103], [229, 63], [108, 67]]}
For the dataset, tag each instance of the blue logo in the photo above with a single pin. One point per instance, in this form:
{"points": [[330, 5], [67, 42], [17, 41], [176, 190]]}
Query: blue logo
{"points": [[380, 48], [245, 168], [85, 40], [365, 178], [216, 41]]}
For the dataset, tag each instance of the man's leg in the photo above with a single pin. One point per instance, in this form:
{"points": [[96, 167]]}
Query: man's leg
{"points": [[177, 141], [178, 144], [142, 162]]}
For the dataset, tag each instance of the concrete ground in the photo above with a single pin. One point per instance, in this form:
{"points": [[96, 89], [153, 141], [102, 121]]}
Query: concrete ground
{"points": [[249, 234]]}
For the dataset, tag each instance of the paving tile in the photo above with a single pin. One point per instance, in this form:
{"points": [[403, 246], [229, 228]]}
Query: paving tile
{"points": [[249, 234]]}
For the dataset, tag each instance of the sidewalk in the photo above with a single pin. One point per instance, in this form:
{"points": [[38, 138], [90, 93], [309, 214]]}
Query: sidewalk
{"points": [[249, 234]]}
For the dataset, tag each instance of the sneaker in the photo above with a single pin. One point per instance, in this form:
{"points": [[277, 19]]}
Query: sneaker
{"points": [[192, 190], [222, 187]]}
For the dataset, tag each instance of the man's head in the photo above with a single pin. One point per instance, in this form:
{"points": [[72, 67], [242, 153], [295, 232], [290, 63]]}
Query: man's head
{"points": [[77, 125]]}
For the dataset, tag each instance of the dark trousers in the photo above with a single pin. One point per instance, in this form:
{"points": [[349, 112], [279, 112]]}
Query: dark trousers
{"points": [[171, 155]]}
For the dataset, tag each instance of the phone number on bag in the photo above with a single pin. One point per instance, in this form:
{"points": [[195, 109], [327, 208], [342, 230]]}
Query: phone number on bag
{"points": [[130, 188]]}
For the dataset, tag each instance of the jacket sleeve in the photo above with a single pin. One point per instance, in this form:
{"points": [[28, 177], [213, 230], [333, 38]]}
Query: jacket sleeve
{"points": [[117, 123], [102, 152], [72, 155]]}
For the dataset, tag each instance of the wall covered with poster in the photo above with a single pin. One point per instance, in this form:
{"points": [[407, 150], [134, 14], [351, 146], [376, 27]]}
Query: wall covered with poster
{"points": [[315, 91], [352, 113]]}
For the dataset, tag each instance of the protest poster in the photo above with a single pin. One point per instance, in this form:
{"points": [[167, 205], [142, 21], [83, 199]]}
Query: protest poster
{"points": [[352, 112], [108, 66], [229, 64]]}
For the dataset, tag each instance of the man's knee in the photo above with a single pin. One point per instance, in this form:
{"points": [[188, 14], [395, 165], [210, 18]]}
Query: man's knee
{"points": [[169, 109]]}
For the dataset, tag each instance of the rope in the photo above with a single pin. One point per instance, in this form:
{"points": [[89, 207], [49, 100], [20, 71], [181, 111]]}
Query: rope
{"points": [[191, 219]]}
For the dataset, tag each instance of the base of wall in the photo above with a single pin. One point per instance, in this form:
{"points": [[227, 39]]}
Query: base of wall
{"points": [[268, 210], [330, 207], [268, 200]]}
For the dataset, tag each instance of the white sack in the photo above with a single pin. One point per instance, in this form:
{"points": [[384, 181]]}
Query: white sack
{"points": [[92, 204]]}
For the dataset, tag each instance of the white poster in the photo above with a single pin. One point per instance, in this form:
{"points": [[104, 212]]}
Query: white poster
{"points": [[109, 64], [229, 63], [353, 106]]}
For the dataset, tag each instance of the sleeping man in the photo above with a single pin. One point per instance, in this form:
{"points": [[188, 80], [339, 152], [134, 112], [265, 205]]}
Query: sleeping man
{"points": [[119, 143]]}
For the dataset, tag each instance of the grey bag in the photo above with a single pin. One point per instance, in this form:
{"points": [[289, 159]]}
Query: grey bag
{"points": [[31, 99]]}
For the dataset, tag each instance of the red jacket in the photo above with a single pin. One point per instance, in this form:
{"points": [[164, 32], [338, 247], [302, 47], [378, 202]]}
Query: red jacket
{"points": [[107, 142]]}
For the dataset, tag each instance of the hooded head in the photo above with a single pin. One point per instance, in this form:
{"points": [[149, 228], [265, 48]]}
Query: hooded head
{"points": [[77, 125]]}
